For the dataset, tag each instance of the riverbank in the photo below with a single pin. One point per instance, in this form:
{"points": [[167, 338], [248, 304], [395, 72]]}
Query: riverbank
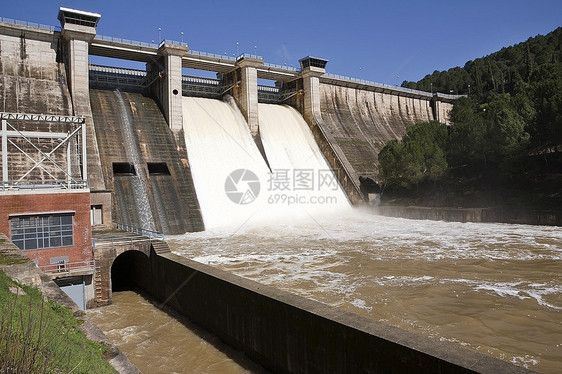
{"points": [[49, 307]]}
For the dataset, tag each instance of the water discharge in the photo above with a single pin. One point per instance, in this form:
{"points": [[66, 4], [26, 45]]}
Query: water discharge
{"points": [[133, 151], [218, 142], [299, 185], [300, 174], [493, 288]]}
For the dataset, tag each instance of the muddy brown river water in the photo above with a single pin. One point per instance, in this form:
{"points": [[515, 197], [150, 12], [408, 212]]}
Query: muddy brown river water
{"points": [[492, 288]]}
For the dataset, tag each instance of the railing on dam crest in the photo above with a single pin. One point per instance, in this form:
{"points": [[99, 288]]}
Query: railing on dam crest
{"points": [[138, 235]]}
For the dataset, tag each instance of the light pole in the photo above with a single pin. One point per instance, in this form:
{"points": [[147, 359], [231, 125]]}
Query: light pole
{"points": [[237, 45], [181, 37], [159, 35]]}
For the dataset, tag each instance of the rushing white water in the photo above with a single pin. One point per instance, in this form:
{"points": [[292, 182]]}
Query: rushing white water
{"points": [[300, 174], [218, 143], [234, 185]]}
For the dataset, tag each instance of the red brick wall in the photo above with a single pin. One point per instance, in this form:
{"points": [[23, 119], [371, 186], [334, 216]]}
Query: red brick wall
{"points": [[38, 203]]}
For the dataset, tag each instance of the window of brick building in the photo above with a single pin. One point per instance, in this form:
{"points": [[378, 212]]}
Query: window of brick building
{"points": [[42, 231]]}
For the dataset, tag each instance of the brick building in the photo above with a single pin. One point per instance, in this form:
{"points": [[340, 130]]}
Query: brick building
{"points": [[51, 226], [45, 205]]}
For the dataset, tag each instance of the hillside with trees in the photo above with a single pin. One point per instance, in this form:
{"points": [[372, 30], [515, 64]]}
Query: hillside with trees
{"points": [[504, 146]]}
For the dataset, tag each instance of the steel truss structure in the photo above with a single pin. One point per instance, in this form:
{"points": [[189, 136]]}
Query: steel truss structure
{"points": [[40, 158]]}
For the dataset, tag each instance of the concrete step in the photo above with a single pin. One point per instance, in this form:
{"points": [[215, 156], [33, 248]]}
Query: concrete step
{"points": [[160, 247]]}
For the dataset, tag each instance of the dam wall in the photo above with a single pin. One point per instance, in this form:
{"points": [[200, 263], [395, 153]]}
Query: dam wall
{"points": [[33, 80], [143, 164], [289, 334], [32, 71], [362, 121]]}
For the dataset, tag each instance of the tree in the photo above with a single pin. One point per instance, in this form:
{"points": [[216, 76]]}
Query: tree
{"points": [[546, 87], [419, 157], [467, 136]]}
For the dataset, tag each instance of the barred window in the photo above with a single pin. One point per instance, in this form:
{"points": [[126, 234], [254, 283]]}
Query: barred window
{"points": [[42, 231]]}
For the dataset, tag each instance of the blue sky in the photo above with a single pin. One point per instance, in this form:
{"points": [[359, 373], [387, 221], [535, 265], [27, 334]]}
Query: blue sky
{"points": [[381, 41]]}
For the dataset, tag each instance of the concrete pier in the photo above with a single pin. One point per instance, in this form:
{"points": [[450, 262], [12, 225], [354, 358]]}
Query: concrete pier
{"points": [[246, 93], [169, 85]]}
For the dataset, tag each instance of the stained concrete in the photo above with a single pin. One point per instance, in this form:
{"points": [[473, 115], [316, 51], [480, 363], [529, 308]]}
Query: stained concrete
{"points": [[488, 215], [172, 197], [361, 121]]}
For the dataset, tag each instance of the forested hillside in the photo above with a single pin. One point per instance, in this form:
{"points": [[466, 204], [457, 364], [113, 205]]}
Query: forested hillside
{"points": [[499, 72], [506, 134]]}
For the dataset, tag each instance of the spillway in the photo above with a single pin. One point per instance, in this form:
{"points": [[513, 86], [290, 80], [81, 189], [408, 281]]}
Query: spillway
{"points": [[293, 153], [234, 184], [140, 162]]}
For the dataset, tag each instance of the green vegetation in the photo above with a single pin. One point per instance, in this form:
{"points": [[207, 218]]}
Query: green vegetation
{"points": [[506, 134], [38, 336], [12, 261], [500, 72]]}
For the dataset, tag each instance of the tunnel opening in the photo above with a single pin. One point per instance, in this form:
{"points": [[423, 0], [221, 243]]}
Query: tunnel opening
{"points": [[130, 272]]}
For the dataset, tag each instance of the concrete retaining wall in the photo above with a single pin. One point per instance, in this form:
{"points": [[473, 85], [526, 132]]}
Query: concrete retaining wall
{"points": [[489, 215], [289, 334]]}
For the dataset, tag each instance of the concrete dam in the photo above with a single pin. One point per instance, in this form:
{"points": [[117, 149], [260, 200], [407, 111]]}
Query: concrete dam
{"points": [[148, 183], [161, 152]]}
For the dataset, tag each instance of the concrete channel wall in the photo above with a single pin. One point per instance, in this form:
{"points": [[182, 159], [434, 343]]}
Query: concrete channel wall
{"points": [[488, 215], [289, 334]]}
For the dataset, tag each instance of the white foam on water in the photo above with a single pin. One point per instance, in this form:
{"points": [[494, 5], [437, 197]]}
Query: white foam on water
{"points": [[371, 264]]}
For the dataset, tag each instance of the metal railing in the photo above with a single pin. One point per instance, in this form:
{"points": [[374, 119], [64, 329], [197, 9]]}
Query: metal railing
{"points": [[268, 89], [115, 70], [137, 230], [172, 42], [274, 95], [209, 54], [120, 240], [371, 83], [391, 87], [74, 184], [200, 80], [66, 267], [30, 24], [126, 41], [143, 235], [283, 67], [105, 76], [249, 55], [206, 87]]}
